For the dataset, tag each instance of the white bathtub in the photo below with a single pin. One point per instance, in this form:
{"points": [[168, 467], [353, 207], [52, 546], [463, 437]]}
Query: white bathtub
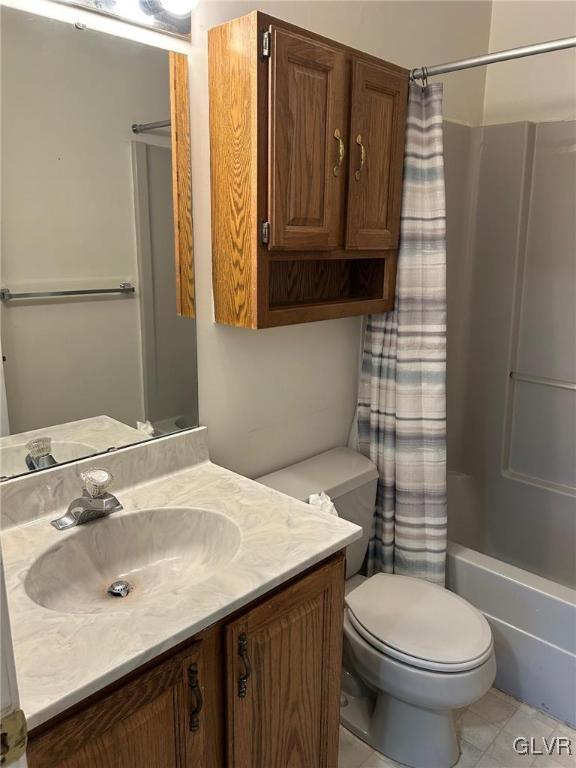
{"points": [[534, 625]]}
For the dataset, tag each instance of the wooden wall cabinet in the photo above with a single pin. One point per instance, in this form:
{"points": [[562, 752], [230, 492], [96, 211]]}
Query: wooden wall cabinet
{"points": [[307, 145], [259, 690]]}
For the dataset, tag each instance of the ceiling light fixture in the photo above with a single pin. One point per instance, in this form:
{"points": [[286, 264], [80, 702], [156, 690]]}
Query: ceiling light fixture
{"points": [[178, 7], [171, 16]]}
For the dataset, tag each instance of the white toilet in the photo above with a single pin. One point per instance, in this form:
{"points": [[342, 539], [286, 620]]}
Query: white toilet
{"points": [[413, 652]]}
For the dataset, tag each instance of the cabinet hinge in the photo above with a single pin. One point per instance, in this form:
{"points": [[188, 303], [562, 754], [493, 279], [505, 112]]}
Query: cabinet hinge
{"points": [[265, 232], [266, 44]]}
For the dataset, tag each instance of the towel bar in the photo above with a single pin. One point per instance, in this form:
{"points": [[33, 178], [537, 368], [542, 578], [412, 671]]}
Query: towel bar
{"points": [[7, 295]]}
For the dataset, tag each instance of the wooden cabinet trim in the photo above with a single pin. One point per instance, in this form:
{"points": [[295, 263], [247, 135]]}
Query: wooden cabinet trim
{"points": [[329, 255], [332, 649], [235, 153], [214, 716], [264, 21], [331, 311], [182, 184]]}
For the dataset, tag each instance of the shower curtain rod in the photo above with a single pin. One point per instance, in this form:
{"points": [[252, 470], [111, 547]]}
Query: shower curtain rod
{"points": [[422, 73], [144, 127]]}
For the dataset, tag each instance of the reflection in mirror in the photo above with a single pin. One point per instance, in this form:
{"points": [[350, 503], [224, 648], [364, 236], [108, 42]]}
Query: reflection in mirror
{"points": [[172, 16], [97, 330]]}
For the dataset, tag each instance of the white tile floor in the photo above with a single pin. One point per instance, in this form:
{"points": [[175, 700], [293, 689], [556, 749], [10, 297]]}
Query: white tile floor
{"points": [[486, 730]]}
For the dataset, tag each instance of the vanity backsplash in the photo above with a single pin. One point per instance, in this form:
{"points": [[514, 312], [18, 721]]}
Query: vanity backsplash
{"points": [[29, 497]]}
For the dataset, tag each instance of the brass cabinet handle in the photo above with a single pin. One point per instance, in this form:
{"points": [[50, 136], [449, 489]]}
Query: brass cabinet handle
{"points": [[243, 653], [341, 151], [196, 692], [363, 155]]}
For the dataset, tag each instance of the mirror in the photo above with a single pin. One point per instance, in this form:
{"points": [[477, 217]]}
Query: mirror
{"points": [[97, 292]]}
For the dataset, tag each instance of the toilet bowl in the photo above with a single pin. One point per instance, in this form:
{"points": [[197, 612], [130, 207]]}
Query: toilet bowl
{"points": [[413, 651], [423, 652]]}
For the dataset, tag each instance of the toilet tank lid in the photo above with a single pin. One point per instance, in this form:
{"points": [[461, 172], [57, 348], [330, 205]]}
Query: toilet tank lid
{"points": [[335, 472]]}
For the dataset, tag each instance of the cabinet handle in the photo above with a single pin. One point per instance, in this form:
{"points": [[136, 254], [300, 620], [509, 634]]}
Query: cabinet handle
{"points": [[194, 686], [243, 653], [341, 151], [363, 154]]}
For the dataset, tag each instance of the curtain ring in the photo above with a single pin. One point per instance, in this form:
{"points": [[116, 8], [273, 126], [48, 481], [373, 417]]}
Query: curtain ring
{"points": [[424, 77]]}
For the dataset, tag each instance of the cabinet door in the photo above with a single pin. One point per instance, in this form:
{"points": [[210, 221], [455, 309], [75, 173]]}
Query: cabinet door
{"points": [[307, 136], [283, 676], [157, 720], [377, 128]]}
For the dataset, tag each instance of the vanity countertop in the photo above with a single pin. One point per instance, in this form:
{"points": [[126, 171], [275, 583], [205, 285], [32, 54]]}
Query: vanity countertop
{"points": [[61, 658]]}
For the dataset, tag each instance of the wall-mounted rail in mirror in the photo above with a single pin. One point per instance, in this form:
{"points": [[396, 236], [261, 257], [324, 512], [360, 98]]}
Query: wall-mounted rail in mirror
{"points": [[98, 335]]}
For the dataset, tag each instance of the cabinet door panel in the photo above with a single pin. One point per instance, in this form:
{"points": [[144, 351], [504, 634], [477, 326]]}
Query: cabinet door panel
{"points": [[145, 722], [288, 717], [306, 176], [378, 125], [145, 738]]}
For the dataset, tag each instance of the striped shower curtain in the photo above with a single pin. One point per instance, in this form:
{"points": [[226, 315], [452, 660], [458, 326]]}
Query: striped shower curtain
{"points": [[402, 392]]}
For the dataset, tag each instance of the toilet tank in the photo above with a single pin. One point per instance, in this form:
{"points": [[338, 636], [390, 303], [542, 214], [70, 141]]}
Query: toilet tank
{"points": [[348, 478]]}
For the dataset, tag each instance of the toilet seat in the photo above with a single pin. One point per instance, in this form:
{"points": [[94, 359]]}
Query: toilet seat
{"points": [[419, 623], [414, 661]]}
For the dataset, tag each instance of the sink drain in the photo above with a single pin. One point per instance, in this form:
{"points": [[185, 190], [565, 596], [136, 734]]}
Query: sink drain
{"points": [[120, 588]]}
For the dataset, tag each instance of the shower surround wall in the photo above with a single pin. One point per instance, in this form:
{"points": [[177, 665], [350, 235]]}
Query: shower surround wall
{"points": [[512, 307], [511, 453]]}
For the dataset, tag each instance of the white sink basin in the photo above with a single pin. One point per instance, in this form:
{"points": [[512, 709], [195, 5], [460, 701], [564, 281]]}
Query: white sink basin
{"points": [[13, 457], [159, 552]]}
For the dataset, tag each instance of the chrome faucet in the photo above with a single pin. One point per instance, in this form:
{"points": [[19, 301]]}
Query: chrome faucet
{"points": [[95, 501], [39, 454]]}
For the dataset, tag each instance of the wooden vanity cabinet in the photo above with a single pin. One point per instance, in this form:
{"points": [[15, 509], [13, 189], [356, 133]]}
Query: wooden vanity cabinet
{"points": [[307, 144], [258, 690]]}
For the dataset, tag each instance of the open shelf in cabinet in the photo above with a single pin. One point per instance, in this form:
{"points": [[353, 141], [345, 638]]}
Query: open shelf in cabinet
{"points": [[305, 289]]}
